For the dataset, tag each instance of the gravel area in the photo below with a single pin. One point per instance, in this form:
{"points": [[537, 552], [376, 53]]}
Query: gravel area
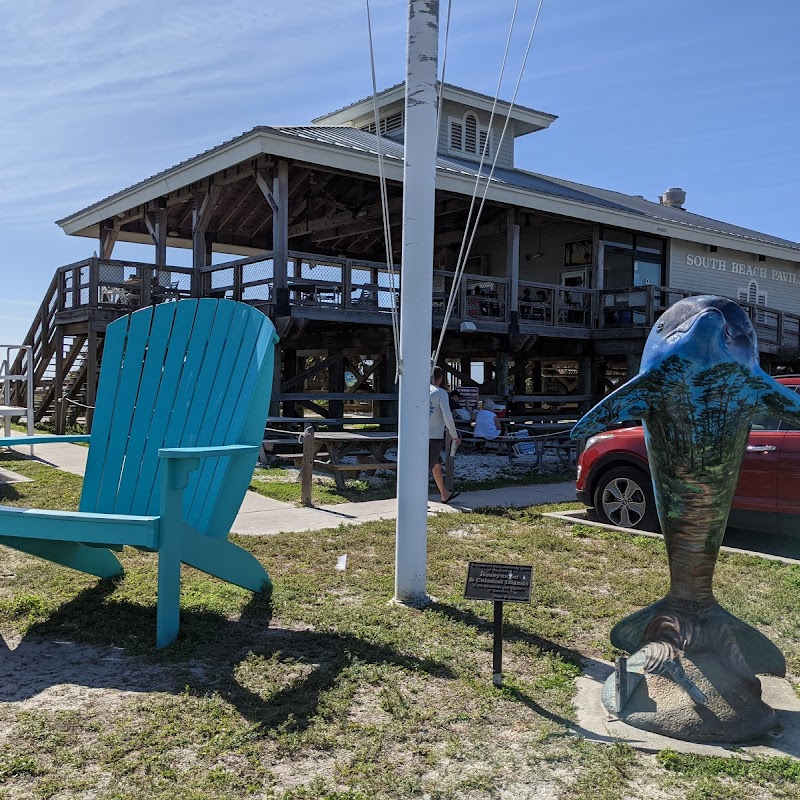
{"points": [[469, 467]]}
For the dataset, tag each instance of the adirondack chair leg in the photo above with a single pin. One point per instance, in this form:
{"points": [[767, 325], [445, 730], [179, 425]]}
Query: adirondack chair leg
{"points": [[225, 560], [168, 609], [93, 560], [169, 589]]}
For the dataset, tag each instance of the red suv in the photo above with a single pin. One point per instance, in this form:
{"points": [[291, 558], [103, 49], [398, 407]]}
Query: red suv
{"points": [[613, 467]]}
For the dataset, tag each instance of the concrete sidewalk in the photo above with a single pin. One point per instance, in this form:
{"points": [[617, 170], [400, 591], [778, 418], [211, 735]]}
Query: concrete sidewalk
{"points": [[262, 516]]}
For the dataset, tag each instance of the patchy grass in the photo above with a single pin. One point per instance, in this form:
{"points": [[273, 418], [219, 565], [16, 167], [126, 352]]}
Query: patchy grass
{"points": [[275, 482], [324, 691], [50, 488]]}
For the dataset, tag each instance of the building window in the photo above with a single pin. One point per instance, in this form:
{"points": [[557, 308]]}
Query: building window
{"points": [[467, 136], [752, 294], [631, 259], [389, 123]]}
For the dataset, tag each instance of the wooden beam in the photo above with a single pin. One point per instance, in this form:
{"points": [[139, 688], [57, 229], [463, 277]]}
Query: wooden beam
{"points": [[300, 378], [512, 259], [263, 182], [236, 207], [201, 215], [344, 218], [109, 233], [455, 237]]}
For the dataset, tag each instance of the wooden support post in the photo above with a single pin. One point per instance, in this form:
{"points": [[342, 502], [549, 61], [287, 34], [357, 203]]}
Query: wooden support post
{"points": [[58, 383], [650, 308], [512, 270], [161, 232], [94, 288], [336, 385], [307, 468], [277, 384], [92, 371], [201, 216], [586, 381], [386, 384], [347, 282], [501, 375], [290, 368], [598, 259], [280, 238]]}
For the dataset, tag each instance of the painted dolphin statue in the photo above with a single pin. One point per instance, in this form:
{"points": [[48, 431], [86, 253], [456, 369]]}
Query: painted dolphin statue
{"points": [[697, 392]]}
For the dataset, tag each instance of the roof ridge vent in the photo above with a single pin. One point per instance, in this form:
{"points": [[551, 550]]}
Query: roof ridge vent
{"points": [[674, 198]]}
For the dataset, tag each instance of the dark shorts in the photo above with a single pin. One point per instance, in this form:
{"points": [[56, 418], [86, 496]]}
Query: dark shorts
{"points": [[435, 447]]}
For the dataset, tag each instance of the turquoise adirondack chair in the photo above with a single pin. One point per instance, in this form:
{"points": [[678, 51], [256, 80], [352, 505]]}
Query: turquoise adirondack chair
{"points": [[181, 406]]}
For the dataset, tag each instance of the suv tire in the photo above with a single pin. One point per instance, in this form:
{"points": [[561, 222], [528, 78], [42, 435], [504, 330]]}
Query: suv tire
{"points": [[624, 497]]}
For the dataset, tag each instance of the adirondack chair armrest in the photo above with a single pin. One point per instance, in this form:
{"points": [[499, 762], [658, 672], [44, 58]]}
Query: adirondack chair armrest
{"points": [[13, 441], [208, 452], [180, 461]]}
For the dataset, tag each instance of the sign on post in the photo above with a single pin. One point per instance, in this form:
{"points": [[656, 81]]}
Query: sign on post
{"points": [[500, 583], [508, 583], [469, 397]]}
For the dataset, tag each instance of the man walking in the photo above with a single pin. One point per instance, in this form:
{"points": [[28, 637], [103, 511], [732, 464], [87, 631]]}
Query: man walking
{"points": [[440, 417]]}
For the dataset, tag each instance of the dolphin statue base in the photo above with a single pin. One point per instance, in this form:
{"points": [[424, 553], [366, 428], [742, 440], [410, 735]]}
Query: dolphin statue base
{"points": [[693, 674], [693, 670]]}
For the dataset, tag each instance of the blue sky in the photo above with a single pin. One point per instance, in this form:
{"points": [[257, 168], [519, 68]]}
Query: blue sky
{"points": [[98, 94]]}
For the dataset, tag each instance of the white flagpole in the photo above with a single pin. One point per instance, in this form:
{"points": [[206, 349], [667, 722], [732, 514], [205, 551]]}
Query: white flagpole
{"points": [[416, 288]]}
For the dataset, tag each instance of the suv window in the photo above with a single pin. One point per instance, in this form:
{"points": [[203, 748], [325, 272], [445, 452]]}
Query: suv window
{"points": [[762, 423]]}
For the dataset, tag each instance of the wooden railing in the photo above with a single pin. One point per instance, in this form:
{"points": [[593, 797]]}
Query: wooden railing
{"points": [[125, 285], [354, 285]]}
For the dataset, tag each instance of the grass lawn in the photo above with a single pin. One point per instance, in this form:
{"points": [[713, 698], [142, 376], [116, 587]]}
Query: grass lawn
{"points": [[324, 691]]}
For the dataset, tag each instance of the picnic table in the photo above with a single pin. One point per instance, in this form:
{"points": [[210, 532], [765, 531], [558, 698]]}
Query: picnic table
{"points": [[338, 445]]}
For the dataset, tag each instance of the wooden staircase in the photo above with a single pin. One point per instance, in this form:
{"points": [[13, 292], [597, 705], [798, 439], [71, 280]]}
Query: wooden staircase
{"points": [[60, 365]]}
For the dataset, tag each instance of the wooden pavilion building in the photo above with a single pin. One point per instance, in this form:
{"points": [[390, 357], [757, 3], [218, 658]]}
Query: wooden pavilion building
{"points": [[561, 287]]}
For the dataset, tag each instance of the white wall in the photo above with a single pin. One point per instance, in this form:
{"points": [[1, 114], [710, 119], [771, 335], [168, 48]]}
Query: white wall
{"points": [[549, 266], [693, 267]]}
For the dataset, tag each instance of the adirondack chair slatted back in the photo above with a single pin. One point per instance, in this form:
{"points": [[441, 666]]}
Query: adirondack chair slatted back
{"points": [[196, 373]]}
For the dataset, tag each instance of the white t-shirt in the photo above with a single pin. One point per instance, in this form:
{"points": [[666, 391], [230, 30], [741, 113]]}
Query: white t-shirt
{"points": [[439, 415], [484, 425]]}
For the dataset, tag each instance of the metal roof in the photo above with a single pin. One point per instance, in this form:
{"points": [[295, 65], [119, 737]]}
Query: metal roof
{"points": [[541, 184], [355, 141]]}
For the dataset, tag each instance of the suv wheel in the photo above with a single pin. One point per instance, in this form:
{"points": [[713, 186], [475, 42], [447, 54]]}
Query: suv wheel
{"points": [[624, 497]]}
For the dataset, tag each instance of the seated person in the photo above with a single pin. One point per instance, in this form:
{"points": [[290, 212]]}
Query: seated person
{"points": [[487, 425], [460, 414]]}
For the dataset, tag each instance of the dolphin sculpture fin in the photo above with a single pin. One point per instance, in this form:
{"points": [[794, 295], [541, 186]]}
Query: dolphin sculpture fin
{"points": [[626, 403], [628, 633], [761, 655], [777, 400]]}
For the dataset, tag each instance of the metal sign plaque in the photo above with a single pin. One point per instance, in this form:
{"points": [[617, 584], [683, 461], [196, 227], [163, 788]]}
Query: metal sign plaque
{"points": [[505, 583]]}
